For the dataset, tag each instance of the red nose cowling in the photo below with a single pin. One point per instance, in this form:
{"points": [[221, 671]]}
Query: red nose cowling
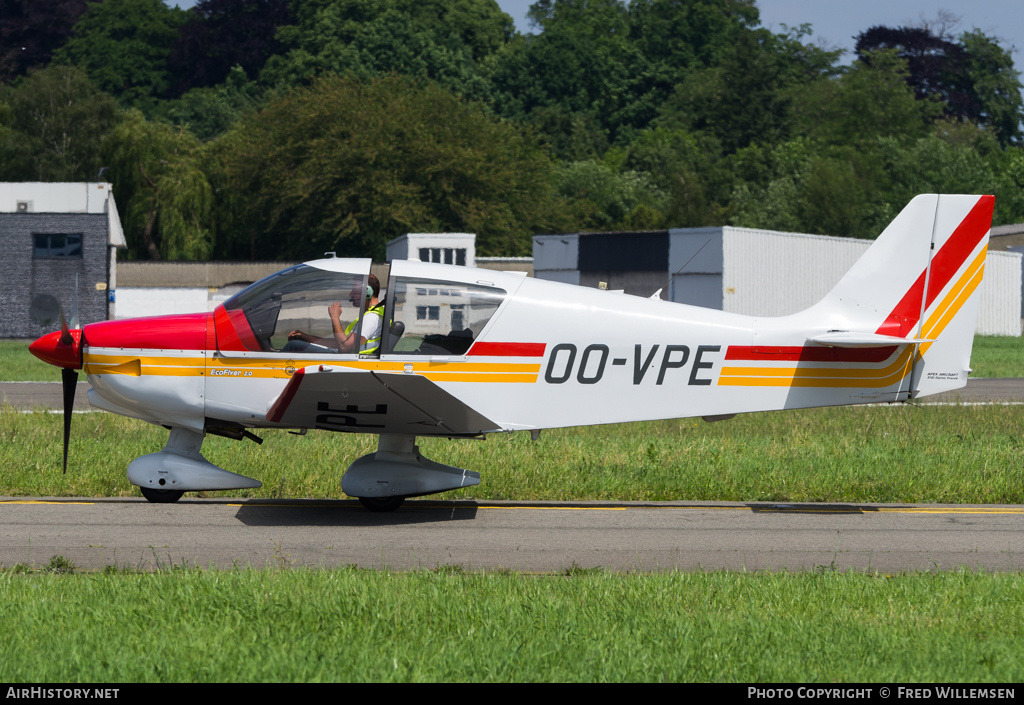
{"points": [[60, 348]]}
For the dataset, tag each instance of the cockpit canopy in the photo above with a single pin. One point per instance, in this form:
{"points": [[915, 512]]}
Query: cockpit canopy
{"points": [[440, 317], [295, 299], [423, 316]]}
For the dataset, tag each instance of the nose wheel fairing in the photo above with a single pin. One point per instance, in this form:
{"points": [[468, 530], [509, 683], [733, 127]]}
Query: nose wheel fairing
{"points": [[180, 467]]}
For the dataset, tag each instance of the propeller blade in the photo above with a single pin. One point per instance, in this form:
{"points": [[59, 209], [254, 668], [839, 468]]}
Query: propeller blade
{"points": [[69, 380], [65, 332], [74, 306]]}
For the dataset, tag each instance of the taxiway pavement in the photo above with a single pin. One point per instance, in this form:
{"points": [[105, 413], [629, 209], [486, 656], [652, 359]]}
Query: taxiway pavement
{"points": [[532, 537]]}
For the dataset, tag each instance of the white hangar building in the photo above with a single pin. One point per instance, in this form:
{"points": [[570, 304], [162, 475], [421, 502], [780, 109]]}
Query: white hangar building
{"points": [[443, 248], [744, 270]]}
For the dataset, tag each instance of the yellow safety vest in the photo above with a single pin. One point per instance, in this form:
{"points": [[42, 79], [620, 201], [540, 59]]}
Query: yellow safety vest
{"points": [[372, 344]]}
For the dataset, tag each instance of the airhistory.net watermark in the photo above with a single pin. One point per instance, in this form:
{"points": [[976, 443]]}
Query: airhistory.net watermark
{"points": [[63, 693]]}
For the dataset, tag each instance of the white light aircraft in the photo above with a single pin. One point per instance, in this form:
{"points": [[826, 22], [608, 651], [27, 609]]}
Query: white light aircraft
{"points": [[468, 352]]}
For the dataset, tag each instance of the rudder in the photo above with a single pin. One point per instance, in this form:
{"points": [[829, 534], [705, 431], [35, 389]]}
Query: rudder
{"points": [[918, 282]]}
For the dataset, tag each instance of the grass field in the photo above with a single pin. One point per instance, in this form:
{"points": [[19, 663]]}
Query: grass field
{"points": [[379, 626], [895, 453], [997, 356], [17, 364], [993, 356]]}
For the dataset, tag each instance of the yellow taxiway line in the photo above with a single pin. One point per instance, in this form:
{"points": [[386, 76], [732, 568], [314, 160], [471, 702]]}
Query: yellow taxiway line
{"points": [[780, 508]]}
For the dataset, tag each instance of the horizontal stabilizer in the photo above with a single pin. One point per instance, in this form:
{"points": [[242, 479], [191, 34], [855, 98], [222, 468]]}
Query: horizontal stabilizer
{"points": [[847, 339]]}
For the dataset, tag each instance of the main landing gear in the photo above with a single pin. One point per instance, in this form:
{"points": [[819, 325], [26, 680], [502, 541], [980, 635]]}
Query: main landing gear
{"points": [[383, 480], [161, 496]]}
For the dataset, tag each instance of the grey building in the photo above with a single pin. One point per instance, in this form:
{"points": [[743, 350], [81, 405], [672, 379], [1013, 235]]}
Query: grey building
{"points": [[635, 262], [744, 270], [50, 235]]}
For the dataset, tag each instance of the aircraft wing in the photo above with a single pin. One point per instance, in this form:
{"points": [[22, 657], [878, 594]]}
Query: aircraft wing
{"points": [[374, 402]]}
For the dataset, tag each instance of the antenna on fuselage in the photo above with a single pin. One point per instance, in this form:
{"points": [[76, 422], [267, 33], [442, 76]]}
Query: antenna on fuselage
{"points": [[669, 282]]}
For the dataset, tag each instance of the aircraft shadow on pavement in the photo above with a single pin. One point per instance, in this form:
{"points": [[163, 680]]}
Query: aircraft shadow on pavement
{"points": [[349, 513], [793, 508]]}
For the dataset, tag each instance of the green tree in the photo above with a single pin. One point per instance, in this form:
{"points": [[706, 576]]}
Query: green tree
{"points": [[583, 63], [689, 35], [1009, 186], [440, 41], [162, 190], [996, 87], [689, 169], [739, 101], [124, 45], [31, 30], [867, 101], [973, 78], [615, 66], [609, 199], [208, 112], [810, 187], [51, 126], [346, 166], [221, 35]]}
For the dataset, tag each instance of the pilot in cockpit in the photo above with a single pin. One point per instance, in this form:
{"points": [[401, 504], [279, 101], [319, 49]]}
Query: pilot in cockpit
{"points": [[346, 339]]}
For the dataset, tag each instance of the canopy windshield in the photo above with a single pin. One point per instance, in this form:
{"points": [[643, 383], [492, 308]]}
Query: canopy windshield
{"points": [[264, 315]]}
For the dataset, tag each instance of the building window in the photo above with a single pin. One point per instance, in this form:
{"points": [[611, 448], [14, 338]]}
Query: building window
{"points": [[447, 255], [49, 245], [428, 313]]}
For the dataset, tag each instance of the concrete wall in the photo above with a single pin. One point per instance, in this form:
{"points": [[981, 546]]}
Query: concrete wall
{"points": [[26, 278], [136, 302], [194, 274], [507, 264]]}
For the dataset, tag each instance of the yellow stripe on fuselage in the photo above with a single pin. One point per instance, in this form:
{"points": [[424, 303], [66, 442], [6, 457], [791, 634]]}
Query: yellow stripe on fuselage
{"points": [[819, 377], [278, 368], [830, 377]]}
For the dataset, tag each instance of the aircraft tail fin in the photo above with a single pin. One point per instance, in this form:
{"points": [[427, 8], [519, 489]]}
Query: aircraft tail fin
{"points": [[917, 285]]}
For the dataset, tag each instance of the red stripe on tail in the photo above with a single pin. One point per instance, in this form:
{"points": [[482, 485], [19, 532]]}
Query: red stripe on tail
{"points": [[946, 262]]}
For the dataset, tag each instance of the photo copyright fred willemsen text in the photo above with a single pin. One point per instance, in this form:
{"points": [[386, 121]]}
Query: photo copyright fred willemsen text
{"points": [[899, 692]]}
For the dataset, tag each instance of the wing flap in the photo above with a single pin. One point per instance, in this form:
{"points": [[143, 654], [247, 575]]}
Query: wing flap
{"points": [[373, 402]]}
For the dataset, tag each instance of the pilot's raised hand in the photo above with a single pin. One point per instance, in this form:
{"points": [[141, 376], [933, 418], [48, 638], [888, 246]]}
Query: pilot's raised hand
{"points": [[334, 311]]}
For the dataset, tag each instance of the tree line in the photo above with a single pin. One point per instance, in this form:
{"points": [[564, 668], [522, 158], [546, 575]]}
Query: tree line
{"points": [[281, 129]]}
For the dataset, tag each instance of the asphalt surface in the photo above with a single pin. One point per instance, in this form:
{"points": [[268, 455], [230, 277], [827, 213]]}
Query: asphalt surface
{"points": [[539, 537], [534, 537], [42, 395]]}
